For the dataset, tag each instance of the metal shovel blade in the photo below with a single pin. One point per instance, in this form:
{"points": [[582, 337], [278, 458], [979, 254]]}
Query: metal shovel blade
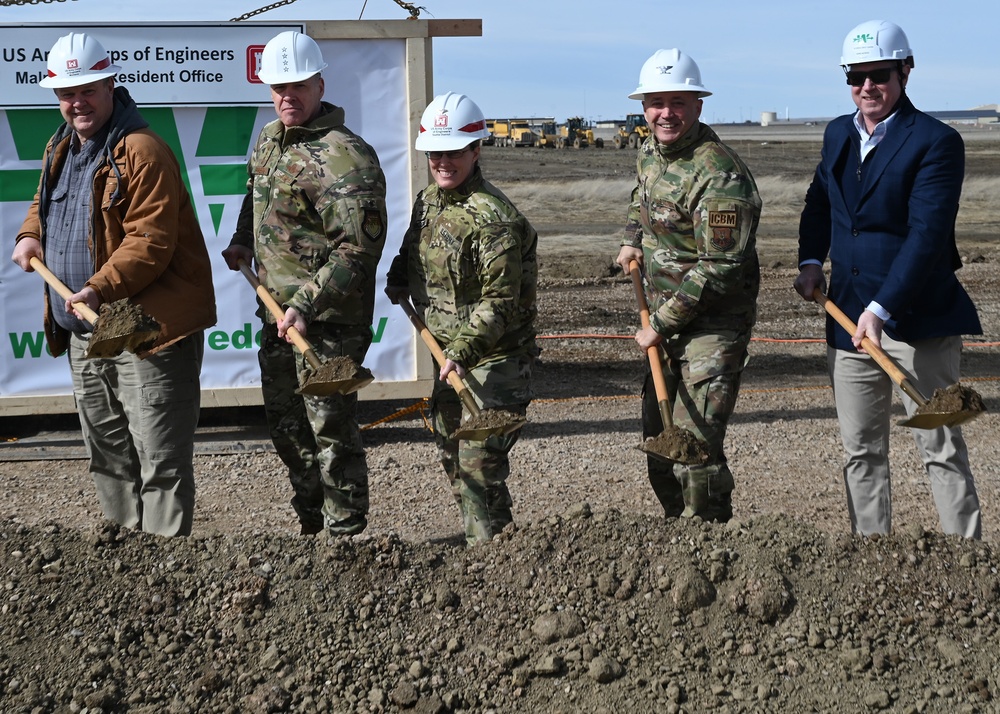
{"points": [[934, 421], [489, 422], [344, 386], [121, 325], [337, 375], [676, 445], [951, 406]]}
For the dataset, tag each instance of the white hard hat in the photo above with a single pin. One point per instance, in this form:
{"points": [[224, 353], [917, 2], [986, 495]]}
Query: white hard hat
{"points": [[874, 41], [290, 57], [76, 59], [450, 122], [669, 71]]}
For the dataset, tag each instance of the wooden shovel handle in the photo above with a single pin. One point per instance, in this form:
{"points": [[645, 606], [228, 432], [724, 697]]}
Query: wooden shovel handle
{"points": [[453, 379], [271, 304], [659, 383], [883, 360], [88, 314]]}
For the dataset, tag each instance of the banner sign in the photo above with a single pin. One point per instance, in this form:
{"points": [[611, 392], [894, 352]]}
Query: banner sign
{"points": [[165, 65], [212, 145]]}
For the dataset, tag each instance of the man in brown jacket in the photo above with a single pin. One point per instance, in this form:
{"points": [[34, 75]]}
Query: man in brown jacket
{"points": [[113, 219]]}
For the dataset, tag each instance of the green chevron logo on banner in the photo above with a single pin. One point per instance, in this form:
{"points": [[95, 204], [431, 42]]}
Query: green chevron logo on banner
{"points": [[226, 131]]}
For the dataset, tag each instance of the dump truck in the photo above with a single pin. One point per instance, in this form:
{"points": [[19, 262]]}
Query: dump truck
{"points": [[513, 132], [489, 140], [633, 133]]}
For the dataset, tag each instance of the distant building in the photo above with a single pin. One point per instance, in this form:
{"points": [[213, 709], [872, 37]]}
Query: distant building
{"points": [[969, 116]]}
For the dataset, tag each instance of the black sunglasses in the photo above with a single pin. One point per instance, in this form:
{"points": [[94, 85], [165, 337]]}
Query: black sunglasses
{"points": [[856, 78], [438, 155]]}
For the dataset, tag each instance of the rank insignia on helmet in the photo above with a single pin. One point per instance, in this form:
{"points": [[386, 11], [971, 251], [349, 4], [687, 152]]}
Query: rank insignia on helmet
{"points": [[372, 224]]}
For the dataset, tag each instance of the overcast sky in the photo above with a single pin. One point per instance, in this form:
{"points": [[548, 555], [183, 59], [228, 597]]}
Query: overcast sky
{"points": [[566, 57]]}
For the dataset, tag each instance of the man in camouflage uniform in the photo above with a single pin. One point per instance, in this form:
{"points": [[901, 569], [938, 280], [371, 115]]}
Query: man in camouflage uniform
{"points": [[314, 220], [468, 260], [692, 224]]}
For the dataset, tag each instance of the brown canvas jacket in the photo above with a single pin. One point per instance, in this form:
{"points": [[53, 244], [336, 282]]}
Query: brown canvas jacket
{"points": [[146, 241]]}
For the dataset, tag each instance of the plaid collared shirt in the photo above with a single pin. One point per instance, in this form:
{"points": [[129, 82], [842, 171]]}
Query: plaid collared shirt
{"points": [[68, 225]]}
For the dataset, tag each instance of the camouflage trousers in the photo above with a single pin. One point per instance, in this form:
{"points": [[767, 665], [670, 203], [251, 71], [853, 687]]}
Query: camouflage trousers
{"points": [[478, 470], [702, 372], [317, 438]]}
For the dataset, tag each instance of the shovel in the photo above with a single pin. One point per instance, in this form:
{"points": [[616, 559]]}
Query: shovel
{"points": [[484, 422], [132, 330], [674, 444], [320, 383], [947, 407]]}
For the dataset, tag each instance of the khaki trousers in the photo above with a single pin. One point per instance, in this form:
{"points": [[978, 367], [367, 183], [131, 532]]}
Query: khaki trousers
{"points": [[863, 394], [138, 418]]}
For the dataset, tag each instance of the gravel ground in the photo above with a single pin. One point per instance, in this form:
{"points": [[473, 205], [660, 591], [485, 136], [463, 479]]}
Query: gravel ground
{"points": [[591, 602]]}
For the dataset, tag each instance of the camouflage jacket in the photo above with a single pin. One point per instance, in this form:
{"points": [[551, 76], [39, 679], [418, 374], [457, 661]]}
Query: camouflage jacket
{"points": [[314, 214], [468, 259], [694, 212]]}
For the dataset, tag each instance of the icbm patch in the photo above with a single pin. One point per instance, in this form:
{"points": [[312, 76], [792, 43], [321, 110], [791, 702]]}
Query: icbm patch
{"points": [[722, 224]]}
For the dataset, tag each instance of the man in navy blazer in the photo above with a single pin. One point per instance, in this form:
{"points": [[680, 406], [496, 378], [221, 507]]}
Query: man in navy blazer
{"points": [[882, 206]]}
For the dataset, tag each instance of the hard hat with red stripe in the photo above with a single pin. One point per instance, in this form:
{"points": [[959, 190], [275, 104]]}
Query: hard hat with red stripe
{"points": [[450, 122], [76, 59]]}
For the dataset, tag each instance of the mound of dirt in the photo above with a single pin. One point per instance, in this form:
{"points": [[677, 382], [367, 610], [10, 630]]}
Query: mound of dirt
{"points": [[585, 611], [591, 601]]}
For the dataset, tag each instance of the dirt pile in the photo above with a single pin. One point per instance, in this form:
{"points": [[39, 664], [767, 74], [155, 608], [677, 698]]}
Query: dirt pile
{"points": [[582, 612], [603, 607]]}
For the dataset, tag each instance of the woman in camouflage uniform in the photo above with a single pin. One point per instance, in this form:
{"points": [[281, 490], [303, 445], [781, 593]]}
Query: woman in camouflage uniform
{"points": [[468, 260]]}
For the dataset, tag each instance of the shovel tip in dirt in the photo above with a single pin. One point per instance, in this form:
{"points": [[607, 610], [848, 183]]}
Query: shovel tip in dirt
{"points": [[122, 325], [489, 422], [676, 444], [337, 375], [952, 406], [954, 398]]}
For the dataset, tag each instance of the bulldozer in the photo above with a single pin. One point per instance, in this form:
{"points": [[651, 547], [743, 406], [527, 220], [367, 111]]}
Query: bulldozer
{"points": [[548, 135], [633, 133], [576, 133]]}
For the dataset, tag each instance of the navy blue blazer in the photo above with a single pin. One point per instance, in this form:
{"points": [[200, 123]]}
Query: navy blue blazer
{"points": [[890, 236]]}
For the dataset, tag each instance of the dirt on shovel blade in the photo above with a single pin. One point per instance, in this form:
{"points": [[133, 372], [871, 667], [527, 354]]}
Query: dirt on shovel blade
{"points": [[337, 369], [122, 325], [952, 400], [491, 419], [676, 444]]}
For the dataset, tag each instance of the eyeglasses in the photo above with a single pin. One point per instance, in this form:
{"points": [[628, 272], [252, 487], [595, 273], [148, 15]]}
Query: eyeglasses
{"points": [[438, 155], [857, 78]]}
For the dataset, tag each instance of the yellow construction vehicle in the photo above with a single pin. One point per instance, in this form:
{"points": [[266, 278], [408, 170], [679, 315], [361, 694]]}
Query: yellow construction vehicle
{"points": [[633, 133], [548, 135], [512, 132], [578, 134], [488, 141]]}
